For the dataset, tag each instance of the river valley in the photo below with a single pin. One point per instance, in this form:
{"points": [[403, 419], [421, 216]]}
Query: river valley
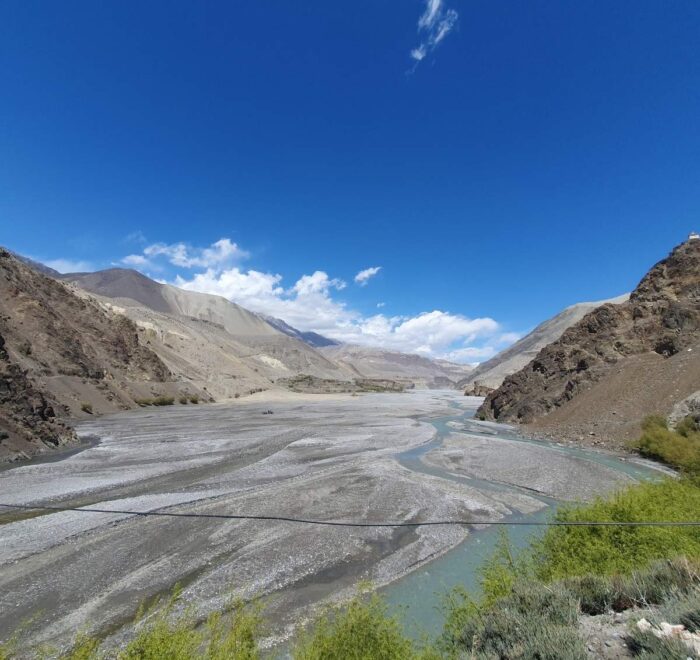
{"points": [[409, 457]]}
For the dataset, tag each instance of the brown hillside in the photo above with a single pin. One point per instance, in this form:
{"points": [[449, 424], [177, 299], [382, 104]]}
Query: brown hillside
{"points": [[58, 351], [630, 359]]}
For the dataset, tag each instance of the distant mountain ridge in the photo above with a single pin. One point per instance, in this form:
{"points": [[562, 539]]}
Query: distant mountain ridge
{"points": [[368, 362], [492, 373], [311, 338], [617, 364], [324, 357]]}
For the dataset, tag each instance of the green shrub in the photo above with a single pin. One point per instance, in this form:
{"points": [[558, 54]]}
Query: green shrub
{"points": [[86, 407], [361, 630], [156, 401], [194, 399], [84, 648], [570, 551], [184, 400], [502, 570], [679, 448], [225, 636], [234, 636]]}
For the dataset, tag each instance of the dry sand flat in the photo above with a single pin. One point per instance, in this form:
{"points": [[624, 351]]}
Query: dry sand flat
{"points": [[315, 458]]}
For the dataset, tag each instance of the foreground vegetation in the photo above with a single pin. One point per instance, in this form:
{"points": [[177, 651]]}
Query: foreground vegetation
{"points": [[531, 603], [679, 447]]}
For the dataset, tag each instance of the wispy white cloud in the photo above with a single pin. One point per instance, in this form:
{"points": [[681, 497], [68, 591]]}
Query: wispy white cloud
{"points": [[431, 13], [69, 265], [366, 275], [136, 237], [380, 305], [222, 252], [434, 24], [509, 337], [136, 260]]}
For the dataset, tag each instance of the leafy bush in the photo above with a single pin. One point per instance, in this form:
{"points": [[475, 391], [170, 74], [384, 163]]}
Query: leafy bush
{"points": [[86, 407], [194, 399], [361, 630], [569, 551], [229, 636], [679, 448], [184, 400]]}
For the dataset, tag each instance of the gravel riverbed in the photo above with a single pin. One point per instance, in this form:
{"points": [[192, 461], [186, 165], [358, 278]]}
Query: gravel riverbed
{"points": [[326, 459]]}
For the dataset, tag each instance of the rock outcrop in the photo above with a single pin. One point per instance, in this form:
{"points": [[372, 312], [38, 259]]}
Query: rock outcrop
{"points": [[493, 372], [660, 321], [478, 389], [60, 352], [27, 415]]}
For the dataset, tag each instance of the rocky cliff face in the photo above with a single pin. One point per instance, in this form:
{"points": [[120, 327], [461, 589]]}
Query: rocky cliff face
{"points": [[660, 320], [58, 352], [490, 375], [27, 416]]}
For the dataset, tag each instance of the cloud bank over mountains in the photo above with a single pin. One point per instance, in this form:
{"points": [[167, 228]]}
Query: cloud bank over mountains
{"points": [[312, 303]]}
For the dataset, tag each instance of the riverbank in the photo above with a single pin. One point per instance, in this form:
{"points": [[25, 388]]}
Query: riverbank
{"points": [[328, 460]]}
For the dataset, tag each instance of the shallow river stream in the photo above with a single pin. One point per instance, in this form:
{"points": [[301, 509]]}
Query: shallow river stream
{"points": [[419, 596]]}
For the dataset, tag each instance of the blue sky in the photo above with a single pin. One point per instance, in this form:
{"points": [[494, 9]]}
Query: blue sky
{"points": [[498, 161]]}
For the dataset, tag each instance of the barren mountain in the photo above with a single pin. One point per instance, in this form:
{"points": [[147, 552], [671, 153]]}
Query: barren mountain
{"points": [[207, 339], [129, 287], [254, 351], [58, 353], [490, 375], [618, 363], [366, 362]]}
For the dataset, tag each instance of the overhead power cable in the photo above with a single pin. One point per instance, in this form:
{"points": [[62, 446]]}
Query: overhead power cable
{"points": [[344, 523]]}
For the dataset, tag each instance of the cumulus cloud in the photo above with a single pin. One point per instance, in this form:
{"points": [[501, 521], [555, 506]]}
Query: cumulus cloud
{"points": [[434, 24], [312, 303], [222, 252], [309, 305], [366, 275]]}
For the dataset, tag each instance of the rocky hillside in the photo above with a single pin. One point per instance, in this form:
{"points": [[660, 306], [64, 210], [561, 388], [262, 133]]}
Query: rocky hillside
{"points": [[60, 353], [490, 375], [625, 361]]}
